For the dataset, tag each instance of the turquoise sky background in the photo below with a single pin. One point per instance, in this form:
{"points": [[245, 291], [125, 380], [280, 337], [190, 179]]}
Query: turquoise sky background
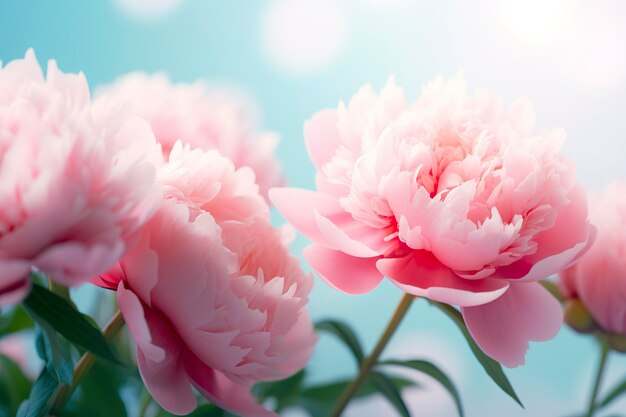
{"points": [[570, 60]]}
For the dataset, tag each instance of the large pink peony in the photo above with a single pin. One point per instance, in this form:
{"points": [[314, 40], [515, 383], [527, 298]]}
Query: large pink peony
{"points": [[203, 117], [599, 278], [76, 182], [210, 294], [451, 197]]}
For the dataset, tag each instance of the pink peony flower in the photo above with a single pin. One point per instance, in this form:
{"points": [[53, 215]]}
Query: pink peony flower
{"points": [[453, 198], [76, 182], [210, 294], [205, 118], [599, 278]]}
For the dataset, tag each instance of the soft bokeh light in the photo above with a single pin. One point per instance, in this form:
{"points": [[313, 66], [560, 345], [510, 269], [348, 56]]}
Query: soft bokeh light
{"points": [[581, 40], [536, 22], [304, 36], [148, 9]]}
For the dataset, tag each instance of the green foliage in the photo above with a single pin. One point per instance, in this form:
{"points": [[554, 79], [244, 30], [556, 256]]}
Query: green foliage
{"points": [[317, 400], [345, 334], [388, 389], [14, 387], [433, 371], [492, 367], [98, 394], [56, 312], [39, 401], [616, 392], [56, 352], [15, 320], [285, 392]]}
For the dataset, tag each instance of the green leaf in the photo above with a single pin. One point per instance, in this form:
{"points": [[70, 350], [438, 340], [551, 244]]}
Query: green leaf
{"points": [[284, 391], [433, 371], [319, 400], [56, 352], [492, 367], [39, 402], [98, 393], [206, 410], [48, 307], [333, 390], [344, 333], [615, 392], [386, 387], [14, 386], [15, 320]]}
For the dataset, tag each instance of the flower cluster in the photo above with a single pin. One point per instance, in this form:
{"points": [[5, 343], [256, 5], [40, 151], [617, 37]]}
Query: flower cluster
{"points": [[205, 283], [159, 192]]}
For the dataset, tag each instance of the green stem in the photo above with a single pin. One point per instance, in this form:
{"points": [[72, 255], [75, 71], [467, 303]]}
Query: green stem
{"points": [[84, 364], [372, 359], [144, 403], [604, 352]]}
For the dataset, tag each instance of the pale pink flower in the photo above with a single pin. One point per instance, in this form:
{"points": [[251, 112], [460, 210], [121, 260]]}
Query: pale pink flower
{"points": [[599, 278], [452, 198], [76, 183], [210, 294], [202, 117], [15, 347]]}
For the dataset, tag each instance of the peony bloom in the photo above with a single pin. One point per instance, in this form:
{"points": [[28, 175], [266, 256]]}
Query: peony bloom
{"points": [[76, 182], [201, 117], [598, 280], [210, 293], [453, 198]]}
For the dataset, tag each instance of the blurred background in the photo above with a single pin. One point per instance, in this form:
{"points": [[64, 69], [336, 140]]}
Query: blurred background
{"points": [[294, 57]]}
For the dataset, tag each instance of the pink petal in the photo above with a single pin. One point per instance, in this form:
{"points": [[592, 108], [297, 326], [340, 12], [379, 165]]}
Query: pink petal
{"points": [[14, 282], [135, 317], [14, 293], [421, 274], [321, 219], [298, 207], [331, 189], [337, 239], [74, 263], [504, 327], [158, 355], [343, 272], [168, 384], [321, 136], [222, 391], [559, 246]]}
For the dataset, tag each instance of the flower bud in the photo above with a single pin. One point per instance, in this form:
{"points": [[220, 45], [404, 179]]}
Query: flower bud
{"points": [[577, 317], [617, 342]]}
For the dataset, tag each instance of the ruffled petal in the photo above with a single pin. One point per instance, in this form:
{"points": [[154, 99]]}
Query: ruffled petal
{"points": [[503, 328], [158, 355], [557, 247], [222, 391]]}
